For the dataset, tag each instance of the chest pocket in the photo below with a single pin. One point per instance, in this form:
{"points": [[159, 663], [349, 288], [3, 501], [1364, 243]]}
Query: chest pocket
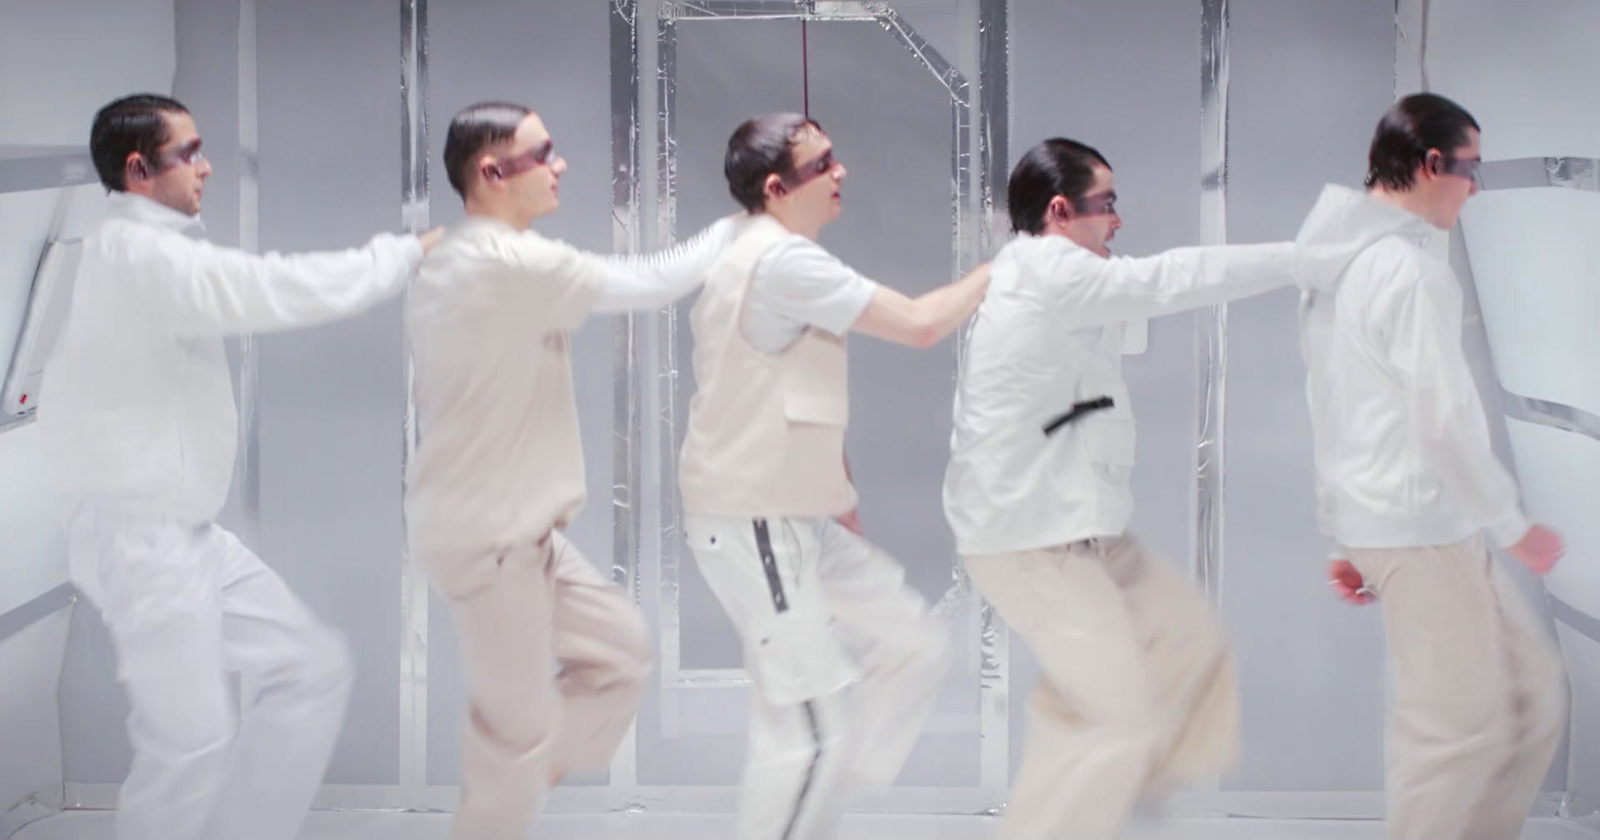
{"points": [[1109, 435], [1108, 440], [816, 389]]}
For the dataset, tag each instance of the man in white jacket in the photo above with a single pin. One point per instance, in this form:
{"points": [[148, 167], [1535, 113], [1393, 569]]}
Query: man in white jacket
{"points": [[139, 428], [769, 510], [1137, 691], [1407, 485], [499, 474]]}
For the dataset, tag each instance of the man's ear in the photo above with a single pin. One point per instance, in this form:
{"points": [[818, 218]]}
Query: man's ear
{"points": [[1060, 209], [137, 166], [774, 188], [1434, 162]]}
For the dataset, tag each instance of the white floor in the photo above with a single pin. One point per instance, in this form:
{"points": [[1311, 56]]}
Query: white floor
{"points": [[367, 825]]}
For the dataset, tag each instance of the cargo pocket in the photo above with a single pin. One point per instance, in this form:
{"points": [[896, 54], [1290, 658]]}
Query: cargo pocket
{"points": [[794, 656]]}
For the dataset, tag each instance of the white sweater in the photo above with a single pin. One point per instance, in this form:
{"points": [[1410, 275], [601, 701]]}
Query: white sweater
{"points": [[1402, 446], [137, 402]]}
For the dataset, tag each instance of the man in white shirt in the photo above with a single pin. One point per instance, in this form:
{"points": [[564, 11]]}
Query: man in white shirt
{"points": [[499, 470], [769, 511], [1137, 690], [139, 429], [1407, 484]]}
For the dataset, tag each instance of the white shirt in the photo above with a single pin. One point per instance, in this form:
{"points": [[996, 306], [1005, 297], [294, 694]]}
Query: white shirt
{"points": [[1049, 334], [798, 284], [500, 460], [1402, 444], [138, 403]]}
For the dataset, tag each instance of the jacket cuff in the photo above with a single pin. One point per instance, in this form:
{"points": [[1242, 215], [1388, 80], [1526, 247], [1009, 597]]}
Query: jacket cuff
{"points": [[1508, 530]]}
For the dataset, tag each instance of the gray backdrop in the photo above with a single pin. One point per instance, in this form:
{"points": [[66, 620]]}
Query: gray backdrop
{"points": [[1309, 79]]}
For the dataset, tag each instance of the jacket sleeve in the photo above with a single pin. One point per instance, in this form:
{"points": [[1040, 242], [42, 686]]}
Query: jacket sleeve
{"points": [[651, 281], [1446, 416], [206, 289], [1126, 288]]}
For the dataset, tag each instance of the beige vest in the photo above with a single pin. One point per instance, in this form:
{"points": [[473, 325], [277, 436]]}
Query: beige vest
{"points": [[766, 431]]}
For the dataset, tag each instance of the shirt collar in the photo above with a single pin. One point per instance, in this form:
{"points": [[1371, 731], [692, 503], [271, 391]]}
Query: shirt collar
{"points": [[147, 211]]}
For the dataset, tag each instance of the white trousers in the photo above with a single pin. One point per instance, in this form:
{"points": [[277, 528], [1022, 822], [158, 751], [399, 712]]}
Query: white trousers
{"points": [[186, 605], [1480, 694], [1136, 689], [844, 657]]}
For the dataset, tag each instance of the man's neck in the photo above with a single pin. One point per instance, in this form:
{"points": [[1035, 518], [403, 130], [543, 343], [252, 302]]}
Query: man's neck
{"points": [[149, 196], [1408, 200], [809, 230], [511, 218]]}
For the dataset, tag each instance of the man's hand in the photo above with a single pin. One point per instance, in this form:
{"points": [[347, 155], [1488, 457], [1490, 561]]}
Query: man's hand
{"points": [[852, 520], [1539, 549], [430, 239], [1347, 583]]}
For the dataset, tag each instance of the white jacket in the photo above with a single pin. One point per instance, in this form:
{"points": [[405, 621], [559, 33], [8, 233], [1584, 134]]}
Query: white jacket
{"points": [[1049, 334], [1402, 446], [137, 402]]}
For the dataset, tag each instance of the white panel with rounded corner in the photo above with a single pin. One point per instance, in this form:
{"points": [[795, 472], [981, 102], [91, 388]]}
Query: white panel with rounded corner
{"points": [[1560, 476], [1538, 281]]}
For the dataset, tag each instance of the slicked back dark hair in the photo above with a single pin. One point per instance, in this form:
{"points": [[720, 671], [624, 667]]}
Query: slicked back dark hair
{"points": [[476, 128], [136, 123], [759, 147]]}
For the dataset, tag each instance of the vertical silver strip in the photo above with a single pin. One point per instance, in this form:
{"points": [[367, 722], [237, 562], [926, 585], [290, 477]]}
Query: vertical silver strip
{"points": [[413, 581], [627, 424], [994, 712], [994, 132], [247, 485], [668, 401], [1211, 334], [963, 212], [1410, 46], [994, 115]]}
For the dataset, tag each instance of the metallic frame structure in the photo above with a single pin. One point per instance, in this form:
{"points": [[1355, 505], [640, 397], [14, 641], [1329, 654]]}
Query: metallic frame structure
{"points": [[642, 54], [973, 226]]}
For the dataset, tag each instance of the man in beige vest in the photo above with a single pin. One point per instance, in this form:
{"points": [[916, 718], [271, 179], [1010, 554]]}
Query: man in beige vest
{"points": [[765, 487], [1408, 486], [499, 471], [1136, 690]]}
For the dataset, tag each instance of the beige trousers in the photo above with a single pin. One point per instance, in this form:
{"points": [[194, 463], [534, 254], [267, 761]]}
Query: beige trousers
{"points": [[1137, 692], [519, 614], [1480, 694]]}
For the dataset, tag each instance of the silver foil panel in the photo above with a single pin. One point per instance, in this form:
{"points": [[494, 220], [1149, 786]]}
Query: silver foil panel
{"points": [[1552, 414], [1211, 334], [247, 478], [1526, 173], [413, 580], [994, 152], [628, 344]]}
